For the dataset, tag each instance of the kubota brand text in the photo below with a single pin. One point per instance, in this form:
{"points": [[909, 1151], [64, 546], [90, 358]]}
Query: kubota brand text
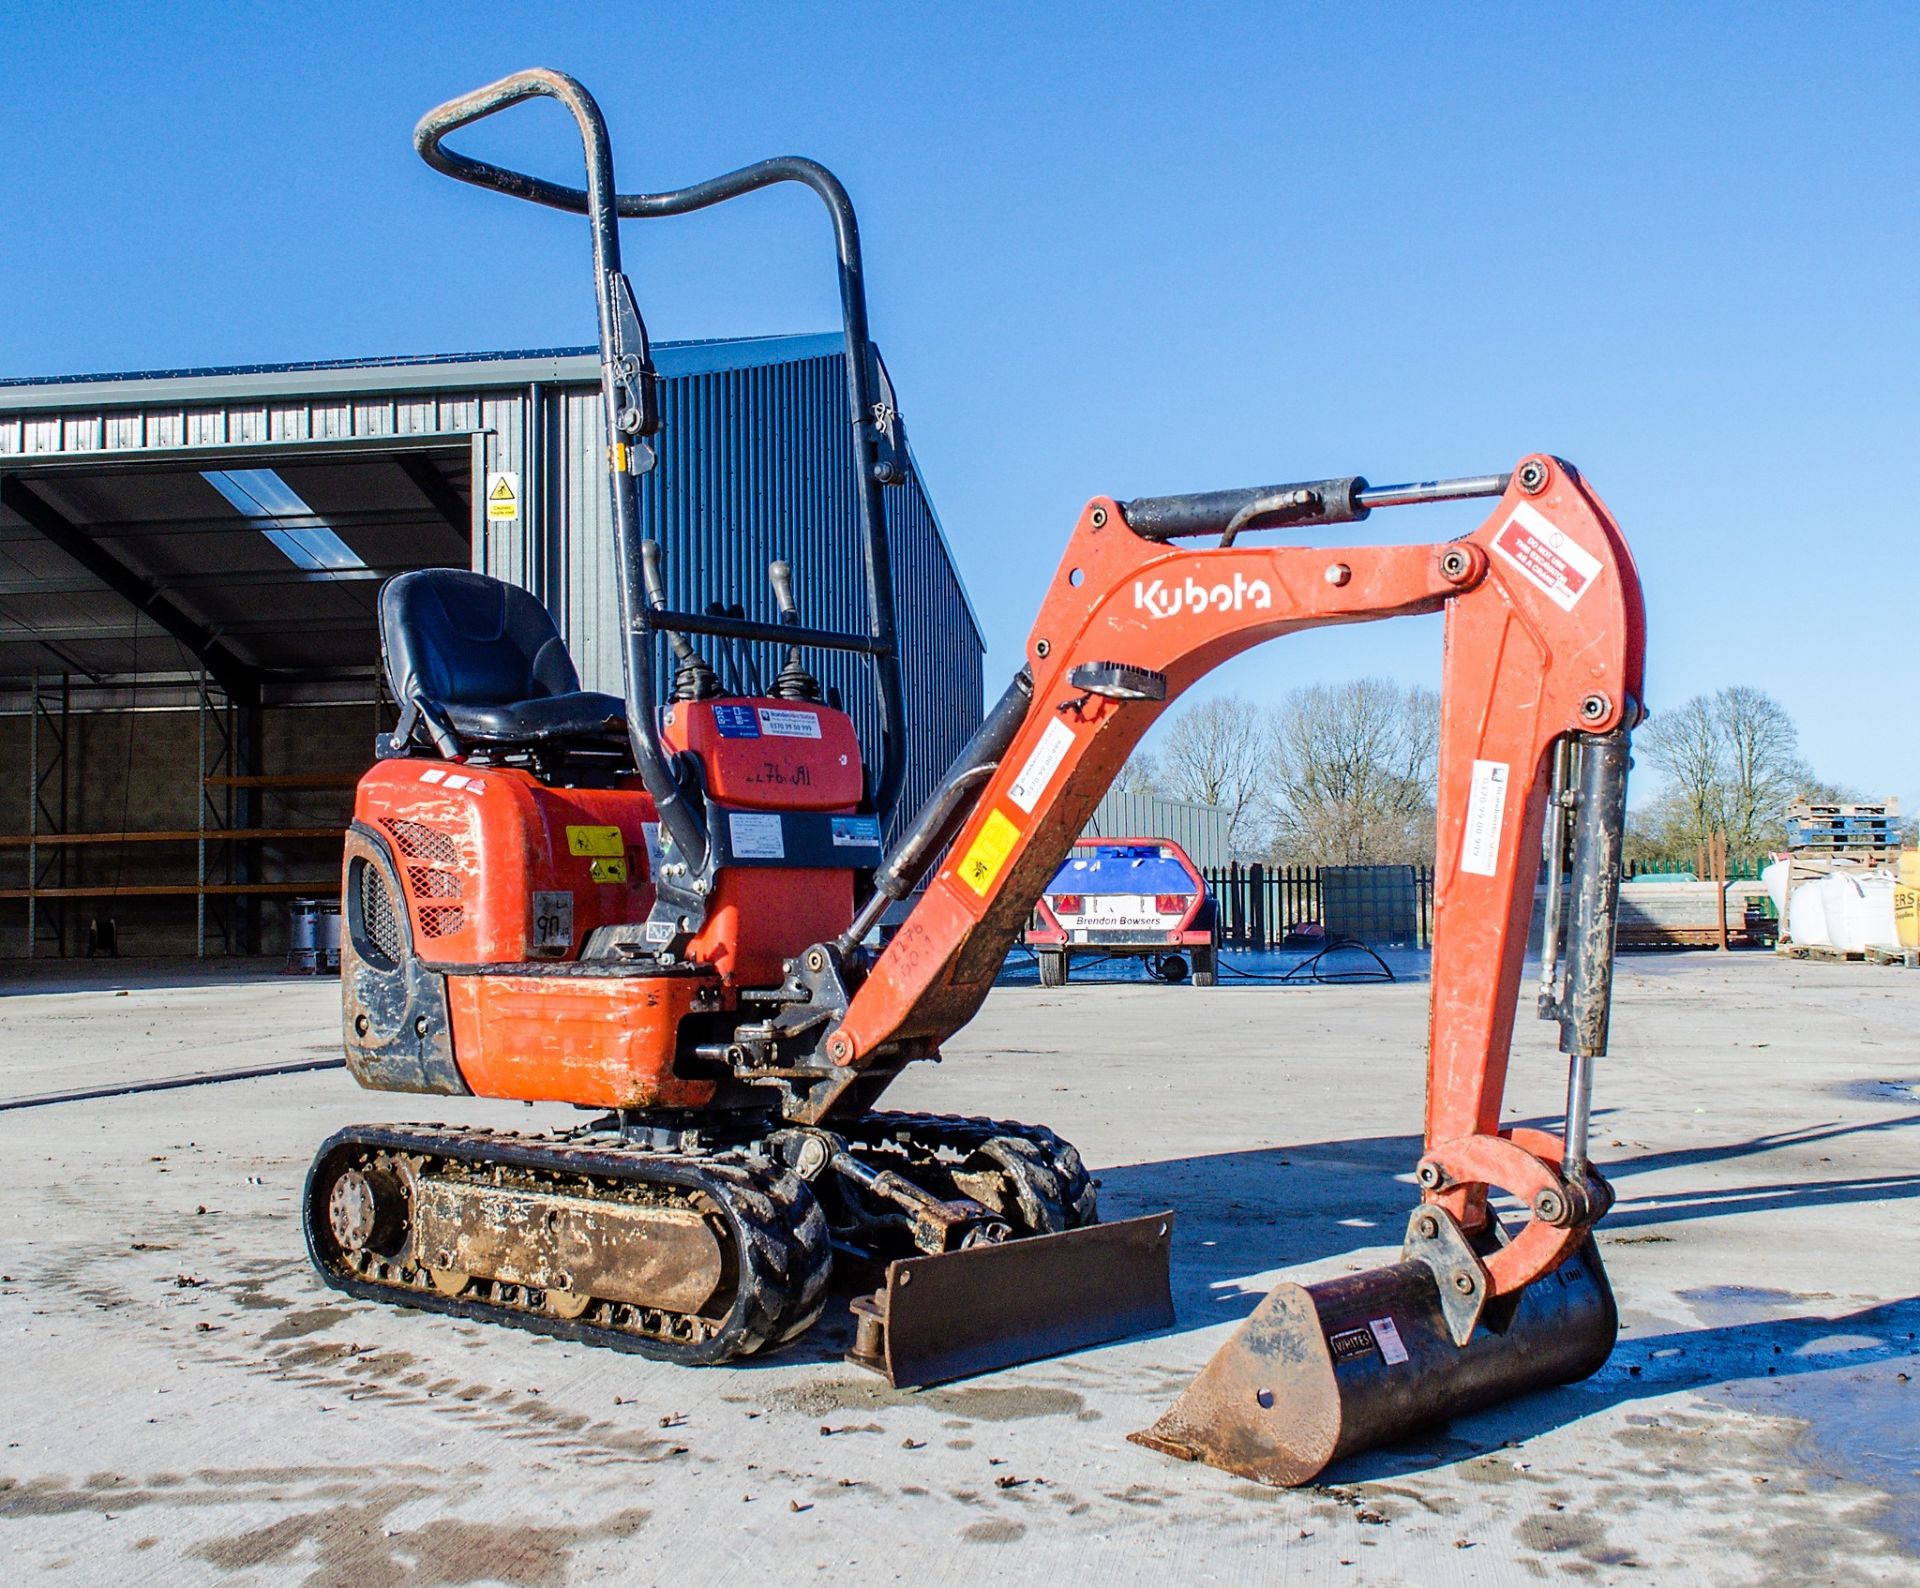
{"points": [[1159, 599]]}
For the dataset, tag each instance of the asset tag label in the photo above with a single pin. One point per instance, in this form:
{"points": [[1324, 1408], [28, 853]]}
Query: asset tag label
{"points": [[1041, 765], [1393, 1350], [553, 922], [989, 852], [782, 724], [1547, 556], [756, 835], [1486, 810], [595, 841]]}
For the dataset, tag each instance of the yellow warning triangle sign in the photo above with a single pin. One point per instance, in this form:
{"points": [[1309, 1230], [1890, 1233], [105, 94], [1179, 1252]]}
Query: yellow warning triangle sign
{"points": [[502, 491]]}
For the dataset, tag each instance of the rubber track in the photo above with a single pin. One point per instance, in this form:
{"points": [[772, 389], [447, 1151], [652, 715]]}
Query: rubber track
{"points": [[1056, 1164], [781, 1251]]}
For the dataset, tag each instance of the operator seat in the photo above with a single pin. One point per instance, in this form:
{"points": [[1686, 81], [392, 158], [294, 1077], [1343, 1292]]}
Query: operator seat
{"points": [[477, 665]]}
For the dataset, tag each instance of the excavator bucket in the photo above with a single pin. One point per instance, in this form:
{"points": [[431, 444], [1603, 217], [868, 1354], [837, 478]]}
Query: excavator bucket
{"points": [[1324, 1371], [989, 1307]]}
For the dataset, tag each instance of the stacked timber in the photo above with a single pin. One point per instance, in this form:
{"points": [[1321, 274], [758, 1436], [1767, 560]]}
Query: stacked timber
{"points": [[1679, 912]]}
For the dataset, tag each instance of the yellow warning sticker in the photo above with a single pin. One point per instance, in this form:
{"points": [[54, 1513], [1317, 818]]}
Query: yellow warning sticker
{"points": [[609, 870], [503, 494], [989, 853], [595, 841]]}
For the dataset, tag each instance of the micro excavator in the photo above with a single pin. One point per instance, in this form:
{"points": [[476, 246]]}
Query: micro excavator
{"points": [[562, 896]]}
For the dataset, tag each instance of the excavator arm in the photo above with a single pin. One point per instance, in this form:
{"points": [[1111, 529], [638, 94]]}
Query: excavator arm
{"points": [[1542, 680]]}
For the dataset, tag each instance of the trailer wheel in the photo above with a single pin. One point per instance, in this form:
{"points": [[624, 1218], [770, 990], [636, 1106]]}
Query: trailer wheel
{"points": [[1171, 968], [1053, 966]]}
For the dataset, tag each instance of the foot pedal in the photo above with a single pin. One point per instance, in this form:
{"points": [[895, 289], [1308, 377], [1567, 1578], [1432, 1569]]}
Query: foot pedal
{"points": [[989, 1307], [1319, 1372]]}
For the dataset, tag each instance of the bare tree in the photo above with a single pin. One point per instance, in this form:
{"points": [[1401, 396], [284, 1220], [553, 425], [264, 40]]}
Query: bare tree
{"points": [[1351, 770], [1140, 774], [1732, 764], [1213, 751]]}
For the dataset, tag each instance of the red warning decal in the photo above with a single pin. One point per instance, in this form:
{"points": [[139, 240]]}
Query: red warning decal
{"points": [[1547, 555]]}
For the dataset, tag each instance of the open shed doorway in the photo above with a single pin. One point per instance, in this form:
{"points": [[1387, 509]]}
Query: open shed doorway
{"points": [[190, 680]]}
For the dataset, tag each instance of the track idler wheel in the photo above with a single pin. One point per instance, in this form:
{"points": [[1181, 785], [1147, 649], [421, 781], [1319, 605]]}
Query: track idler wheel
{"points": [[367, 1210]]}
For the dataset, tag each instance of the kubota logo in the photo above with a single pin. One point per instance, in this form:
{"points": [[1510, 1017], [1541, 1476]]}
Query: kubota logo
{"points": [[1158, 599]]}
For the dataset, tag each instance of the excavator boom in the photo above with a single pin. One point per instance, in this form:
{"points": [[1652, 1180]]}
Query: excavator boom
{"points": [[1541, 683]]}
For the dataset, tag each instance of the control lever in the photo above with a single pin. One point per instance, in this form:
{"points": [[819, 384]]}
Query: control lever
{"points": [[693, 679], [794, 682]]}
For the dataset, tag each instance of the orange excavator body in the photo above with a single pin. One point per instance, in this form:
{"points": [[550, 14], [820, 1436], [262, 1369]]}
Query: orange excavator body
{"points": [[557, 895]]}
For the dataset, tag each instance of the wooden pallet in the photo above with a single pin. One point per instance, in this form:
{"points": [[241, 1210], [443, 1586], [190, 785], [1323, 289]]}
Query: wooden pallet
{"points": [[1879, 954]]}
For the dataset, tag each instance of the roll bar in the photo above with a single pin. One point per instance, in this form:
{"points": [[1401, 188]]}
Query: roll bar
{"points": [[629, 386]]}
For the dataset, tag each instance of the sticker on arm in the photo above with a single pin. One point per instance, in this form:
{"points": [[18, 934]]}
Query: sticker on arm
{"points": [[989, 852], [1486, 810], [1041, 765]]}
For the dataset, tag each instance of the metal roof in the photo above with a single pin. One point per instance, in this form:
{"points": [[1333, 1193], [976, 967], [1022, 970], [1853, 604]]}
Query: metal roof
{"points": [[420, 372]]}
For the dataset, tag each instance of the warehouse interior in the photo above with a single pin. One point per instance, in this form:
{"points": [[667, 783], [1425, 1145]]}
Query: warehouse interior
{"points": [[189, 669]]}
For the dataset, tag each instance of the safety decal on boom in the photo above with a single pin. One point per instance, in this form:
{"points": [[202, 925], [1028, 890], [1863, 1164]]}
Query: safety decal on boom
{"points": [[1041, 765], [1547, 556], [1486, 810], [989, 853], [595, 841]]}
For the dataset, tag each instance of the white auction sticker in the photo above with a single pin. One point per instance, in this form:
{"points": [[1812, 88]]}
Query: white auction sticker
{"points": [[756, 835], [1041, 765], [1547, 555], [1386, 1334], [1486, 809], [789, 724]]}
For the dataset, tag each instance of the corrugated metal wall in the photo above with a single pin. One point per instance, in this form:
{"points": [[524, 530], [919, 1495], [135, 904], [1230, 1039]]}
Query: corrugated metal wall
{"points": [[1199, 829], [755, 462]]}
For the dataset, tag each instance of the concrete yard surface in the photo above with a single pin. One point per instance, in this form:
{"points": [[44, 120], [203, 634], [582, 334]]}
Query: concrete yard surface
{"points": [[183, 1402]]}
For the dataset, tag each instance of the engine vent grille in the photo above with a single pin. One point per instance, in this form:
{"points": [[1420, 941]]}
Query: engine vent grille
{"points": [[427, 883], [377, 915], [418, 842], [441, 920]]}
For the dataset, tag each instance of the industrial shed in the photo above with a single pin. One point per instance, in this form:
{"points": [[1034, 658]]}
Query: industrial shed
{"points": [[189, 666]]}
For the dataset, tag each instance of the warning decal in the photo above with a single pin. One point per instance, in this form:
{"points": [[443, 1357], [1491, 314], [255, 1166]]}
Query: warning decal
{"points": [[1486, 809], [1041, 765], [595, 841], [1392, 1348], [1547, 556], [503, 495], [989, 853]]}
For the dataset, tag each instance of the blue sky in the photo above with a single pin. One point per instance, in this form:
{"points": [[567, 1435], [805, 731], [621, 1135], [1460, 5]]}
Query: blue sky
{"points": [[1117, 249]]}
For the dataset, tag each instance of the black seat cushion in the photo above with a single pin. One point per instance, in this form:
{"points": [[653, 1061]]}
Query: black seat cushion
{"points": [[485, 657]]}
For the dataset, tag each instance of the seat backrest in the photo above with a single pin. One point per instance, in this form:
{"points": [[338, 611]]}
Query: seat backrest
{"points": [[458, 638]]}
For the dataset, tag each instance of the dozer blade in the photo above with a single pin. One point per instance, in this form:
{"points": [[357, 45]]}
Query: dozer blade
{"points": [[1323, 1371], [989, 1307]]}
